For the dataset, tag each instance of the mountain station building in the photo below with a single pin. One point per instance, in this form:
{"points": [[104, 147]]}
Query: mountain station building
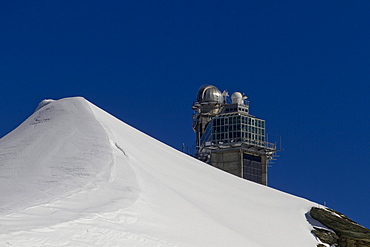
{"points": [[228, 137]]}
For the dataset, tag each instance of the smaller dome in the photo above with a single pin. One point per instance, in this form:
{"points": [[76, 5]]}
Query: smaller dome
{"points": [[209, 93], [238, 98]]}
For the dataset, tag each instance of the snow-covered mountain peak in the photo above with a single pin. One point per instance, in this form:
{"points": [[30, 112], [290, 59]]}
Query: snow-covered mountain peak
{"points": [[74, 175], [44, 103]]}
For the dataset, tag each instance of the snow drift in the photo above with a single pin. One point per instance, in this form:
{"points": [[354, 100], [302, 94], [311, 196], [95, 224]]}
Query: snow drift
{"points": [[73, 175]]}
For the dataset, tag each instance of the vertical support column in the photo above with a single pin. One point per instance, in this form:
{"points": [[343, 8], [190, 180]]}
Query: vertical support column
{"points": [[264, 161], [241, 164]]}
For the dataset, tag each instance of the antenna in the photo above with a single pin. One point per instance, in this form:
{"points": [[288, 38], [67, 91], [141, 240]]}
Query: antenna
{"points": [[225, 94]]}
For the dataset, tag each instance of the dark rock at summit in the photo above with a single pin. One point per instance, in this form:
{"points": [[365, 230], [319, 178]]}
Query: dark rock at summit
{"points": [[347, 233]]}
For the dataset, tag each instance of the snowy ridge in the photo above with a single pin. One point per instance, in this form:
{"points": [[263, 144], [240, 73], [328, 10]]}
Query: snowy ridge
{"points": [[73, 175]]}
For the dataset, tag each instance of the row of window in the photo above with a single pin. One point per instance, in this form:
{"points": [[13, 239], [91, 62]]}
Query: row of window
{"points": [[242, 128], [237, 135], [238, 119], [234, 129], [236, 109]]}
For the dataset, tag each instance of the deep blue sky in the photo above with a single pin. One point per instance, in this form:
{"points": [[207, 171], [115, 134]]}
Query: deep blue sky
{"points": [[305, 66]]}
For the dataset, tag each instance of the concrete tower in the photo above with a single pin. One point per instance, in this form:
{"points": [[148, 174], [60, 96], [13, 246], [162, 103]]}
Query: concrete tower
{"points": [[228, 137]]}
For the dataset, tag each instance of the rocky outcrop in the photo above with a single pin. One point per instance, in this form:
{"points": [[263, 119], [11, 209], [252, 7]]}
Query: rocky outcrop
{"points": [[326, 236], [346, 232]]}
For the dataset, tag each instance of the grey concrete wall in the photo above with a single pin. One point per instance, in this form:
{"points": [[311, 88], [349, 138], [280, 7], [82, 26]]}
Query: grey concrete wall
{"points": [[231, 162], [227, 161]]}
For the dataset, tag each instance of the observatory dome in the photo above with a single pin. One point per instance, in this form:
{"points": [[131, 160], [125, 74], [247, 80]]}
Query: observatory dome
{"points": [[237, 98], [209, 93]]}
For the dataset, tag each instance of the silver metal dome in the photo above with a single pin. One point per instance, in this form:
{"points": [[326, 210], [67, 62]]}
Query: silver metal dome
{"points": [[238, 98], [209, 93]]}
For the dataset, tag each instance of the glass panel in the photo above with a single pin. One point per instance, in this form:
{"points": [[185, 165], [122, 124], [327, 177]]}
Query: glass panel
{"points": [[252, 168], [208, 135]]}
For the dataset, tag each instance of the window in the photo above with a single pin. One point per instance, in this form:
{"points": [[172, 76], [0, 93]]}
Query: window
{"points": [[252, 168]]}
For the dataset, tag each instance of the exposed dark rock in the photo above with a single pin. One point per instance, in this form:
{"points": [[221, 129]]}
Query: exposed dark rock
{"points": [[347, 232], [326, 236]]}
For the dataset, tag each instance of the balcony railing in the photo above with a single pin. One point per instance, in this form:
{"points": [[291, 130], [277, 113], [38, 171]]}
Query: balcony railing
{"points": [[238, 142]]}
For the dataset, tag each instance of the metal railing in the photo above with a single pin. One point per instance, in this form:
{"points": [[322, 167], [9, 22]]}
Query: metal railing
{"points": [[239, 141]]}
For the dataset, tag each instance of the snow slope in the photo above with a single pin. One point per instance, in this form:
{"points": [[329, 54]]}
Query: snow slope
{"points": [[73, 175]]}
